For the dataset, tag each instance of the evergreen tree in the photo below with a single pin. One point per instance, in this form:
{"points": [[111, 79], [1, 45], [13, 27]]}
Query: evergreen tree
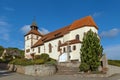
{"points": [[91, 51]]}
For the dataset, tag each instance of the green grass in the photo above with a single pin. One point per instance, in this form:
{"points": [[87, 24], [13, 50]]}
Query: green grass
{"points": [[114, 62]]}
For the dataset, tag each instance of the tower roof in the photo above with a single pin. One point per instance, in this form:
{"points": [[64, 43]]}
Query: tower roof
{"points": [[34, 23], [34, 29]]}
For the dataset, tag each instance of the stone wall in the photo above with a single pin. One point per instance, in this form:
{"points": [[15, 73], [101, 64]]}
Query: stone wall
{"points": [[34, 70], [3, 66]]}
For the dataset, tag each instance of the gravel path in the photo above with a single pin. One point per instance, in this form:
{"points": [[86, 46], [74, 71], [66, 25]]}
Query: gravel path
{"points": [[16, 76]]}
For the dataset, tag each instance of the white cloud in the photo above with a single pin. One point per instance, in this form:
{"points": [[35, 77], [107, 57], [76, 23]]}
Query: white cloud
{"points": [[44, 31], [6, 37], [3, 23], [111, 33], [113, 51], [4, 30], [8, 8], [97, 14], [25, 29]]}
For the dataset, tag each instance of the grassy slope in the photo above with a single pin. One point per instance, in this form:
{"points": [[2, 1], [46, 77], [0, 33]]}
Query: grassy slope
{"points": [[114, 62]]}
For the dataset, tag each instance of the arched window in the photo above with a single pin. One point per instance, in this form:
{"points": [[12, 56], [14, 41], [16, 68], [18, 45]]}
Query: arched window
{"points": [[64, 50], [59, 43], [38, 49], [77, 37], [74, 47], [69, 49], [50, 48]]}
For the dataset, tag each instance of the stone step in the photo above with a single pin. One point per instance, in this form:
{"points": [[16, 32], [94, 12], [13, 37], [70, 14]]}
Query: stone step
{"points": [[67, 70]]}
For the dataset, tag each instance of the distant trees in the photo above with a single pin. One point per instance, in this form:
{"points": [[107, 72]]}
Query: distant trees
{"points": [[91, 52], [1, 50], [10, 54]]}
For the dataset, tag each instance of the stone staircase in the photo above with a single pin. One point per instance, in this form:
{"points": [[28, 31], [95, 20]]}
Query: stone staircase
{"points": [[67, 68]]}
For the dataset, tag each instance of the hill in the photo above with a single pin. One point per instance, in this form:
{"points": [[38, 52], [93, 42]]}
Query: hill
{"points": [[11, 51]]}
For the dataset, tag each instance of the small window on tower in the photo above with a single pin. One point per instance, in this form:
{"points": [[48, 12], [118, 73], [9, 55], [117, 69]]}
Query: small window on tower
{"points": [[37, 37], [28, 50], [33, 49], [27, 37]]}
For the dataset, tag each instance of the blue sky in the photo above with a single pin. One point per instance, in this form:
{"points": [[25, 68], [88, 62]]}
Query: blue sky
{"points": [[17, 15]]}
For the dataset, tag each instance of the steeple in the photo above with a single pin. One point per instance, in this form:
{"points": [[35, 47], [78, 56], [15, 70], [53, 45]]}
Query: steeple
{"points": [[34, 25], [34, 29]]}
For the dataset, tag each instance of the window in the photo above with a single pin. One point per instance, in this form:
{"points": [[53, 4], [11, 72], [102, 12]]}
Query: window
{"points": [[37, 37], [69, 48], [38, 49], [33, 49], [77, 37], [27, 37], [74, 47], [50, 48], [28, 50], [64, 50], [59, 43]]}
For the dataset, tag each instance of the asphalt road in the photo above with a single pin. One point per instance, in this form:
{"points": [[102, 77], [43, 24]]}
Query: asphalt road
{"points": [[5, 75]]}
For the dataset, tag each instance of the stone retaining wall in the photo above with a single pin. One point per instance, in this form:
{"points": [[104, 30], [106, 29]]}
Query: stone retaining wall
{"points": [[34, 70], [3, 66]]}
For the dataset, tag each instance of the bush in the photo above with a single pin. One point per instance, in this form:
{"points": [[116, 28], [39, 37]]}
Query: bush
{"points": [[52, 62], [37, 57], [38, 61], [22, 62], [45, 57], [84, 67], [25, 62], [8, 57]]}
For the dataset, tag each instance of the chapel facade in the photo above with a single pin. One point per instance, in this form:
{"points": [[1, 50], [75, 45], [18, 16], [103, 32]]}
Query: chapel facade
{"points": [[65, 40]]}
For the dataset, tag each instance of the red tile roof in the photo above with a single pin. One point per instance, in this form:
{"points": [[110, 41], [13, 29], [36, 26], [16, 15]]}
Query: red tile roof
{"points": [[36, 32], [52, 35], [87, 21], [74, 41]]}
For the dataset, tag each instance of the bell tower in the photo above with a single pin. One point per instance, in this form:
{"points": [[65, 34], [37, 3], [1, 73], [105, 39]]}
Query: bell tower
{"points": [[31, 38]]}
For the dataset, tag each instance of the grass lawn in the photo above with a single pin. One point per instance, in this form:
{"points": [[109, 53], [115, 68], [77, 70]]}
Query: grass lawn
{"points": [[114, 62]]}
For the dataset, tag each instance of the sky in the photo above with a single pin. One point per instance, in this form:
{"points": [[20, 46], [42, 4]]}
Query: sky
{"points": [[17, 15]]}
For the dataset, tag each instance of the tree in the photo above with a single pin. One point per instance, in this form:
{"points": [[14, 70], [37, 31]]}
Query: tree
{"points": [[91, 51], [1, 50]]}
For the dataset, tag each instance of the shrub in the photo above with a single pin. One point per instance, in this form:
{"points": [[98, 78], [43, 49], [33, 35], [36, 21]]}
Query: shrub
{"points": [[52, 61], [25, 62], [37, 57], [84, 67], [38, 61], [8, 57], [22, 62], [45, 57]]}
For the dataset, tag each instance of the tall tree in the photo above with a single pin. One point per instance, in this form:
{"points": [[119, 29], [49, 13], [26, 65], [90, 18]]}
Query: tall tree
{"points": [[91, 51]]}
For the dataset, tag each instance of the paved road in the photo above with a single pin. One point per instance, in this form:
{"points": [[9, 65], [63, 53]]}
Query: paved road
{"points": [[5, 75]]}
